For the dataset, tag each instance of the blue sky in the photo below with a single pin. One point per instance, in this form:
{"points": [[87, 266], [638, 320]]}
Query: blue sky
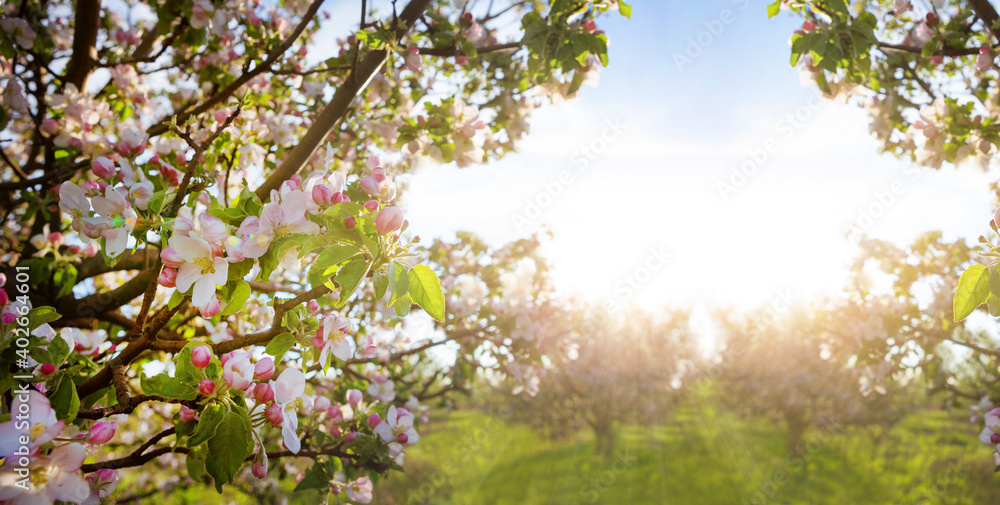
{"points": [[654, 188]]}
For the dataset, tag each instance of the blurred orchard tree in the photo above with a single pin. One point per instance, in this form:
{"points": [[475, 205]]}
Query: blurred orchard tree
{"points": [[204, 267], [784, 369], [627, 369]]}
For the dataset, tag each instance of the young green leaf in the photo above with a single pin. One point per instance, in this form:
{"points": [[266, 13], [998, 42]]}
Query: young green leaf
{"points": [[973, 289], [425, 290]]}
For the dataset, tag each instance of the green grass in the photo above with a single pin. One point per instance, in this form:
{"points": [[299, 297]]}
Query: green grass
{"points": [[700, 456]]}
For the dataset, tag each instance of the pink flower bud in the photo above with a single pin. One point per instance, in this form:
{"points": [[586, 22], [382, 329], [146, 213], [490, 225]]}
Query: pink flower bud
{"points": [[56, 238], [167, 278], [335, 414], [259, 468], [8, 317], [321, 403], [75, 143], [318, 341], [47, 368], [313, 305], [369, 185], [201, 356], [263, 369], [402, 438], [350, 436], [171, 258], [996, 217], [274, 414], [101, 432], [3, 300], [211, 308], [374, 419], [371, 205], [350, 222], [321, 194], [263, 393], [354, 397], [50, 126], [995, 438], [103, 167], [3, 280], [339, 198], [389, 220], [206, 387]]}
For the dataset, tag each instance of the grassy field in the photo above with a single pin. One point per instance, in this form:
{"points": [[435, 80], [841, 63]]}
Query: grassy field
{"points": [[700, 457]]}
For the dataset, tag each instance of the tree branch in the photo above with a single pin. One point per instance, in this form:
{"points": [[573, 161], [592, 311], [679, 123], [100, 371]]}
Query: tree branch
{"points": [[85, 27], [356, 81]]}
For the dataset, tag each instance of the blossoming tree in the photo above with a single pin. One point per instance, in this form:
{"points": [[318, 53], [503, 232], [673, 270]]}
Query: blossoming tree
{"points": [[205, 268], [927, 74]]}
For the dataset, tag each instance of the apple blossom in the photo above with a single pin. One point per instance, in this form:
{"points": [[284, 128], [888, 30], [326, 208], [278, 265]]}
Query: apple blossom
{"points": [[397, 422], [201, 356], [354, 397], [186, 414], [384, 391], [206, 387], [289, 387], [103, 167], [167, 277], [277, 220], [331, 338], [263, 369], [360, 490], [116, 220], [55, 477], [201, 269], [237, 370], [102, 432], [389, 220]]}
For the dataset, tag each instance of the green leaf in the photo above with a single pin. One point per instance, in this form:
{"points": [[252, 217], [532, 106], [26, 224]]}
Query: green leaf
{"points": [[993, 304], [210, 419], [335, 255], [58, 351], [41, 315], [64, 400], [317, 477], [774, 9], [381, 284], [399, 280], [425, 290], [195, 462], [279, 345], [973, 289], [349, 277], [167, 387], [229, 447], [402, 305], [625, 9], [237, 298]]}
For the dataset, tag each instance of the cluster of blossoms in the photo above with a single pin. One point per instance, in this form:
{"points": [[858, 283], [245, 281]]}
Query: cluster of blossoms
{"points": [[105, 209], [43, 456]]}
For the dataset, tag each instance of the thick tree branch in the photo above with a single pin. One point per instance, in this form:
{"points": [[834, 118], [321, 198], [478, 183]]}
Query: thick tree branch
{"points": [[84, 58]]}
